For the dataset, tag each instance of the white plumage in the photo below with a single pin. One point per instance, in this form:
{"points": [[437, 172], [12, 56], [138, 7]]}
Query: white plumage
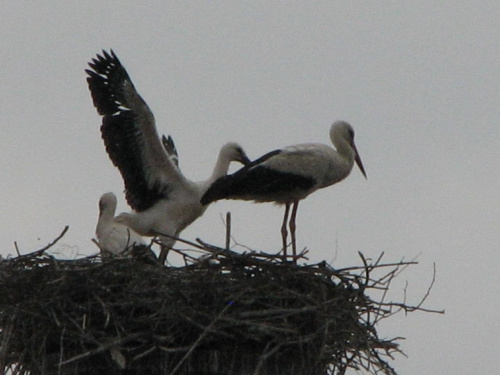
{"points": [[164, 201], [287, 175], [114, 237], [174, 213]]}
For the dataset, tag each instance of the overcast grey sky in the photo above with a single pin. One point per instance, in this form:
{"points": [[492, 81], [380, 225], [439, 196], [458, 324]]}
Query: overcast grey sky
{"points": [[419, 83]]}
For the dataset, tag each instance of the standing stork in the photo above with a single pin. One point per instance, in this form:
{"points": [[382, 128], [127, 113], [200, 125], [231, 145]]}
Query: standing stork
{"points": [[114, 237], [164, 201], [290, 174]]}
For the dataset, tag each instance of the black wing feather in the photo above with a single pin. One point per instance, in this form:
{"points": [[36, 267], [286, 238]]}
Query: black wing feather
{"points": [[257, 182], [124, 152], [113, 94], [104, 82], [169, 145]]}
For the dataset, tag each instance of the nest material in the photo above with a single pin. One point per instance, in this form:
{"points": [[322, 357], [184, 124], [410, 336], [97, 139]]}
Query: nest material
{"points": [[228, 314]]}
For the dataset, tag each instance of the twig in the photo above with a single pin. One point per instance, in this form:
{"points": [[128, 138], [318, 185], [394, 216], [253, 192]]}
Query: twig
{"points": [[17, 249], [96, 243], [39, 252], [42, 250], [61, 350], [354, 268], [197, 342], [104, 347], [429, 289], [418, 307], [267, 353], [144, 354], [190, 243], [228, 230]]}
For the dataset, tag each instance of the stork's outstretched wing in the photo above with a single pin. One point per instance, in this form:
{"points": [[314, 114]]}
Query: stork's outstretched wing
{"points": [[129, 133]]}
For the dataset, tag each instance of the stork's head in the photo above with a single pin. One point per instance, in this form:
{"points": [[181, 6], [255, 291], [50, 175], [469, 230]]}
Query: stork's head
{"points": [[107, 203], [342, 136], [234, 152]]}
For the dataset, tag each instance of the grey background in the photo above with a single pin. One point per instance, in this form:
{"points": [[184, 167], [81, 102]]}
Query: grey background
{"points": [[418, 81]]}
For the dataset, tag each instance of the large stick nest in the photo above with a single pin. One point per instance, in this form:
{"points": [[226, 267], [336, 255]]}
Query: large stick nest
{"points": [[227, 314]]}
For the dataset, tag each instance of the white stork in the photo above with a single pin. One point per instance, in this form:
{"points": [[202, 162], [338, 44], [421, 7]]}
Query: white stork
{"points": [[287, 175], [114, 237], [164, 201]]}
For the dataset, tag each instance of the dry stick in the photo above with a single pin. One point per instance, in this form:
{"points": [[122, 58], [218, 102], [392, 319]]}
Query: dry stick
{"points": [[6, 335], [61, 350], [237, 244], [232, 254], [391, 275], [419, 307], [261, 254], [143, 354], [367, 269], [379, 259], [219, 250], [174, 350], [232, 238], [17, 249], [430, 287], [39, 252], [267, 353], [163, 254], [378, 316], [96, 243], [42, 250], [228, 230], [229, 237], [180, 240], [263, 327], [385, 281], [354, 268], [403, 268], [203, 334], [103, 348], [184, 255], [163, 249], [212, 248]]}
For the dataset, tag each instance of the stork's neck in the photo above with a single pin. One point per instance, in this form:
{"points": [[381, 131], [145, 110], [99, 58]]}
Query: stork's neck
{"points": [[221, 167], [345, 150], [107, 214], [105, 217]]}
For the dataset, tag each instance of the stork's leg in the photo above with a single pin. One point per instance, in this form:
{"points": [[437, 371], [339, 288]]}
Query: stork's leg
{"points": [[284, 232], [292, 229], [163, 254]]}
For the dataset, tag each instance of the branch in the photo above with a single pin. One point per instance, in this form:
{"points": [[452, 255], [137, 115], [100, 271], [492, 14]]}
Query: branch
{"points": [[42, 250]]}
